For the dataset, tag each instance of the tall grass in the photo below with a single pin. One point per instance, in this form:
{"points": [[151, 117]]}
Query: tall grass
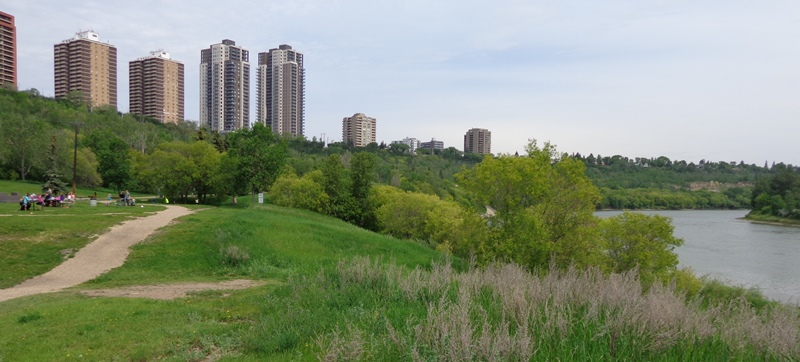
{"points": [[502, 313]]}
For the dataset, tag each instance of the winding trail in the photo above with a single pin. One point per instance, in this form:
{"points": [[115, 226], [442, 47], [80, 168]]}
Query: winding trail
{"points": [[107, 252]]}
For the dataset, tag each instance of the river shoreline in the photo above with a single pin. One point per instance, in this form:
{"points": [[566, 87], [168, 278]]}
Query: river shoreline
{"points": [[794, 224]]}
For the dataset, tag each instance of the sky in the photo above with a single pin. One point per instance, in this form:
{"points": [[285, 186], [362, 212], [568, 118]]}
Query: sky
{"points": [[689, 80]]}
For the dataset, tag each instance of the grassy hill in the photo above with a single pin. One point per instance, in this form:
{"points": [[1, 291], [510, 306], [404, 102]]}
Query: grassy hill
{"points": [[336, 292]]}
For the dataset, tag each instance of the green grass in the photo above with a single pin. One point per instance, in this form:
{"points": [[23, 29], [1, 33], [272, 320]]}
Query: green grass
{"points": [[283, 245], [34, 242], [280, 243], [336, 290]]}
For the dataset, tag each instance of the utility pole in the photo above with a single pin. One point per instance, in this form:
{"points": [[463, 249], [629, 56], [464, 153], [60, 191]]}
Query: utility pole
{"points": [[75, 157]]}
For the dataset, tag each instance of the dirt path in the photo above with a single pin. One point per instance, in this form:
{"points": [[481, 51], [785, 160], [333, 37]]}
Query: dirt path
{"points": [[107, 252]]}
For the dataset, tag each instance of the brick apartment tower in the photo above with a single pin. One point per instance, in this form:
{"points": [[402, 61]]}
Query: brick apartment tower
{"points": [[478, 140], [281, 91], [359, 130], [156, 86], [8, 51], [86, 64], [225, 87]]}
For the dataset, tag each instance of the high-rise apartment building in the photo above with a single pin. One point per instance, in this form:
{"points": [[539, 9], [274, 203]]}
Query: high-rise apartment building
{"points": [[478, 140], [225, 87], [87, 65], [359, 130], [156, 87], [281, 90], [8, 51]]}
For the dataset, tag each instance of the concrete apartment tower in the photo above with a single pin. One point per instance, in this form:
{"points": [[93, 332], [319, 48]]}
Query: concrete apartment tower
{"points": [[359, 130], [156, 86], [478, 140], [87, 65], [225, 87], [8, 51], [281, 91]]}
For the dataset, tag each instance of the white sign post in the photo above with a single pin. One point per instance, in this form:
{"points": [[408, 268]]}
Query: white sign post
{"points": [[260, 197]]}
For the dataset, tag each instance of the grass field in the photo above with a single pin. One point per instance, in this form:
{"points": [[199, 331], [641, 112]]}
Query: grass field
{"points": [[337, 292], [35, 241]]}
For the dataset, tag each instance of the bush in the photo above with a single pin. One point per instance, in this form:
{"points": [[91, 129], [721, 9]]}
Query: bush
{"points": [[233, 256]]}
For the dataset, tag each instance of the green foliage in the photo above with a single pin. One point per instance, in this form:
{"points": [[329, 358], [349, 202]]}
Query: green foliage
{"points": [[302, 193], [114, 161], [687, 282], [541, 208], [778, 194], [24, 140], [52, 176], [256, 157], [335, 183], [362, 175], [28, 120], [715, 292], [670, 199], [634, 240], [179, 169]]}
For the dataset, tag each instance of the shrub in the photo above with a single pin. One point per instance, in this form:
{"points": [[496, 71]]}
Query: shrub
{"points": [[233, 256]]}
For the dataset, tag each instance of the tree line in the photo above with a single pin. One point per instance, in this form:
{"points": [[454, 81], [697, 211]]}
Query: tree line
{"points": [[777, 195]]}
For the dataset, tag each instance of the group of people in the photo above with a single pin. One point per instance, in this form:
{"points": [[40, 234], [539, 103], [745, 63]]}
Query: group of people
{"points": [[125, 199], [48, 199]]}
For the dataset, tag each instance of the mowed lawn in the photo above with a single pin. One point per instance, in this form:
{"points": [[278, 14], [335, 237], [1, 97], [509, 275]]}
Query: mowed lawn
{"points": [[35, 241]]}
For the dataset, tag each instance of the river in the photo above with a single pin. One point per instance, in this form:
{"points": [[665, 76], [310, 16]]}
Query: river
{"points": [[719, 244]]}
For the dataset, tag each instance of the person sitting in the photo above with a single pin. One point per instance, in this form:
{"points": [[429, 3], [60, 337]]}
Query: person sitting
{"points": [[133, 202], [25, 204], [37, 200]]}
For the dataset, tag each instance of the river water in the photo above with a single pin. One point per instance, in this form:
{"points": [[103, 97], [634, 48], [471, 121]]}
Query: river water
{"points": [[719, 244]]}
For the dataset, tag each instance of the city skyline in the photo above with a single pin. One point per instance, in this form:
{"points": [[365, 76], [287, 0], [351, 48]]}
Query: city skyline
{"points": [[684, 80]]}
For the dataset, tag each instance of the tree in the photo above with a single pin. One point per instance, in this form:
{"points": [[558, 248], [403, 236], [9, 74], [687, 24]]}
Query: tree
{"points": [[52, 177], [114, 161], [25, 138], [635, 240], [301, 193], [775, 194], [362, 175], [540, 208], [336, 186], [181, 169], [258, 156]]}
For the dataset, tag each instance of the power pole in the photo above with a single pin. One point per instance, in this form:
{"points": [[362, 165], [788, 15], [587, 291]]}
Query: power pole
{"points": [[75, 158]]}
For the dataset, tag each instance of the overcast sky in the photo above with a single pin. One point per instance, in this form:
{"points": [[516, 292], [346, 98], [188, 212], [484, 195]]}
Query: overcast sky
{"points": [[691, 80]]}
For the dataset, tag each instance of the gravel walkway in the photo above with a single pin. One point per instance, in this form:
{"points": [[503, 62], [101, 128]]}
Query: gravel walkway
{"points": [[107, 252]]}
